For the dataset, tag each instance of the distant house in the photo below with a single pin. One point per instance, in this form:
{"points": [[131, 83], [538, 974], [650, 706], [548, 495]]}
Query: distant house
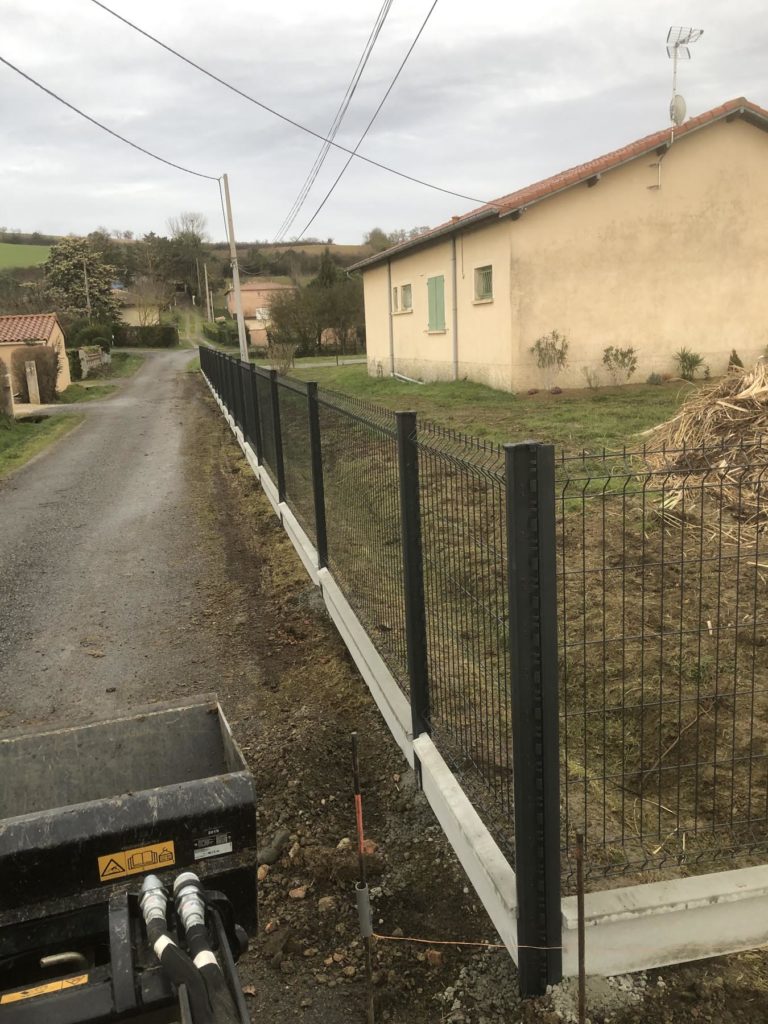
{"points": [[256, 298], [659, 245], [19, 332]]}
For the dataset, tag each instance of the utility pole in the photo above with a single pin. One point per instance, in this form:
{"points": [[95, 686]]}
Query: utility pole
{"points": [[199, 286], [87, 289], [235, 274], [207, 292]]}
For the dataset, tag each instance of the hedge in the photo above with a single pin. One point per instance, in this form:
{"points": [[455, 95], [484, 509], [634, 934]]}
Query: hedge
{"points": [[151, 336], [223, 334]]}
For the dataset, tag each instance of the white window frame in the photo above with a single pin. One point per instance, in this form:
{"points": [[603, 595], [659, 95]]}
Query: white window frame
{"points": [[479, 271], [398, 306]]}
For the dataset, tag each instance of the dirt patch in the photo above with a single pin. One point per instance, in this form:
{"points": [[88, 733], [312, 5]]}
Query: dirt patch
{"points": [[294, 696]]}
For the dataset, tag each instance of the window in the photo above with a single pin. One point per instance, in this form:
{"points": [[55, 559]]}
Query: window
{"points": [[395, 306], [436, 302], [405, 297], [483, 284]]}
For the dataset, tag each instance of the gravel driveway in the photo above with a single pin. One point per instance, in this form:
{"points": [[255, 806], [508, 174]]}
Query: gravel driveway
{"points": [[99, 561]]}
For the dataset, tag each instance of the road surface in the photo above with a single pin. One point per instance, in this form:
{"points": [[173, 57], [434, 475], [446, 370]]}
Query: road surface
{"points": [[100, 566]]}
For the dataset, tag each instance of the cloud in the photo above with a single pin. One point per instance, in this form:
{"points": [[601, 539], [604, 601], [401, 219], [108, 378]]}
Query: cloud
{"points": [[485, 105]]}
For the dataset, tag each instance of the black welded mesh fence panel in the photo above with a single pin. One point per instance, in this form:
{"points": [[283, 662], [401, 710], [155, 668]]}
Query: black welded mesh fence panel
{"points": [[297, 456], [266, 421], [663, 577], [463, 509], [363, 519]]}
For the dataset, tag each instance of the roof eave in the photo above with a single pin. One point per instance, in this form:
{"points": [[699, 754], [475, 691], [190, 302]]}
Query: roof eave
{"points": [[422, 240], [751, 116]]}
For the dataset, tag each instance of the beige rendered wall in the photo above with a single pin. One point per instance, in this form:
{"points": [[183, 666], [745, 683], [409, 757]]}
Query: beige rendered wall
{"points": [[626, 264], [484, 351]]}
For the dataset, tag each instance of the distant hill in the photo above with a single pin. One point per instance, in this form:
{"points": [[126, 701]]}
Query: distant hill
{"points": [[22, 255]]}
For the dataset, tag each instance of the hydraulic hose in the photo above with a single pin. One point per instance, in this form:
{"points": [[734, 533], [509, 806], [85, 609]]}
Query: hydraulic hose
{"points": [[174, 961], [190, 910]]}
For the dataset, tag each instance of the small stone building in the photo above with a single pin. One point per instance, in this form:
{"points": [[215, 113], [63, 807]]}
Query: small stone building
{"points": [[22, 330]]}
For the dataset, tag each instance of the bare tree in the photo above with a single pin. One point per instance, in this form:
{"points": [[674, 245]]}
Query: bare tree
{"points": [[189, 225], [150, 295]]}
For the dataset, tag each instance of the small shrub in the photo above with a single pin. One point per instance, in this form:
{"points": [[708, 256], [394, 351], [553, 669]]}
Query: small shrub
{"points": [[46, 360], [551, 352], [75, 367], [620, 362], [734, 360], [688, 363], [281, 357], [592, 377], [82, 333], [655, 378]]}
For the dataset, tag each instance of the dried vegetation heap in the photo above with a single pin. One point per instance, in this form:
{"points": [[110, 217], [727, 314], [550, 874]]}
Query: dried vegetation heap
{"points": [[722, 427]]}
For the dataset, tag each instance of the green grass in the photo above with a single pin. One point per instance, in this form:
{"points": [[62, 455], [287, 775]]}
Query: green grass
{"points": [[610, 417], [124, 364], [22, 255], [20, 441], [85, 392], [193, 366]]}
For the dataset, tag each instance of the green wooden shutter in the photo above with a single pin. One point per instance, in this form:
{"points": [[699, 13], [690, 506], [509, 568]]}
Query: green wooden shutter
{"points": [[436, 302]]}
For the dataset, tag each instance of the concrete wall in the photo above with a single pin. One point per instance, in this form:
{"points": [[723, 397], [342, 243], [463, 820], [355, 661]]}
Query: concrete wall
{"points": [[623, 263]]}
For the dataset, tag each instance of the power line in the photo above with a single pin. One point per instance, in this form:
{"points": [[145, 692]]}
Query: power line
{"points": [[330, 191], [277, 113], [109, 131], [336, 123]]}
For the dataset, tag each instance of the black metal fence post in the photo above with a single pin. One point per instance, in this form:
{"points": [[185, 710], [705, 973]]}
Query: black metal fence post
{"points": [[254, 393], [279, 465], [413, 572], [532, 595], [318, 489]]}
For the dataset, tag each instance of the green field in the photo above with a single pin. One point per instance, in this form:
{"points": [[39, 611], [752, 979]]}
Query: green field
{"points": [[22, 255]]}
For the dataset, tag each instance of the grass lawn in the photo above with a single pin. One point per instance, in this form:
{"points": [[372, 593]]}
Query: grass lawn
{"points": [[85, 391], [576, 419], [22, 255], [124, 364], [20, 441]]}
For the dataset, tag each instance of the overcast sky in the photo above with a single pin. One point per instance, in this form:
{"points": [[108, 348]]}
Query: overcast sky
{"points": [[495, 95]]}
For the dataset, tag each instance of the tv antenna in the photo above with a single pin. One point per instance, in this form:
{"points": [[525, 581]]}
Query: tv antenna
{"points": [[679, 39]]}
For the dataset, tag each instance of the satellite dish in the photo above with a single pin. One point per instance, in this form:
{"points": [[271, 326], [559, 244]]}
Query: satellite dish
{"points": [[677, 110]]}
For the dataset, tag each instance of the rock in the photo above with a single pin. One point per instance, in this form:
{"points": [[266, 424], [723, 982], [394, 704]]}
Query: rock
{"points": [[270, 926], [299, 893], [434, 958], [270, 854], [398, 933], [249, 990], [294, 851], [344, 844], [310, 952], [349, 972], [326, 904], [305, 1003], [369, 846], [263, 871]]}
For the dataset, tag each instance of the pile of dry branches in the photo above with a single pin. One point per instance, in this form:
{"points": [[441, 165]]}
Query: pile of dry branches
{"points": [[722, 428]]}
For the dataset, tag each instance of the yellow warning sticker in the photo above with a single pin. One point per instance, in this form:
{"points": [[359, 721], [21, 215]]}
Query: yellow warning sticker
{"points": [[43, 990], [114, 866]]}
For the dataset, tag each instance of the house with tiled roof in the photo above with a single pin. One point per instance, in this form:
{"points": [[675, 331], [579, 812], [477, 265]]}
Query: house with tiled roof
{"points": [[659, 245], [22, 330]]}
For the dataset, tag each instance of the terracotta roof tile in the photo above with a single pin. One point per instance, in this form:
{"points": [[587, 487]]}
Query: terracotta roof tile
{"points": [[573, 176], [33, 327]]}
